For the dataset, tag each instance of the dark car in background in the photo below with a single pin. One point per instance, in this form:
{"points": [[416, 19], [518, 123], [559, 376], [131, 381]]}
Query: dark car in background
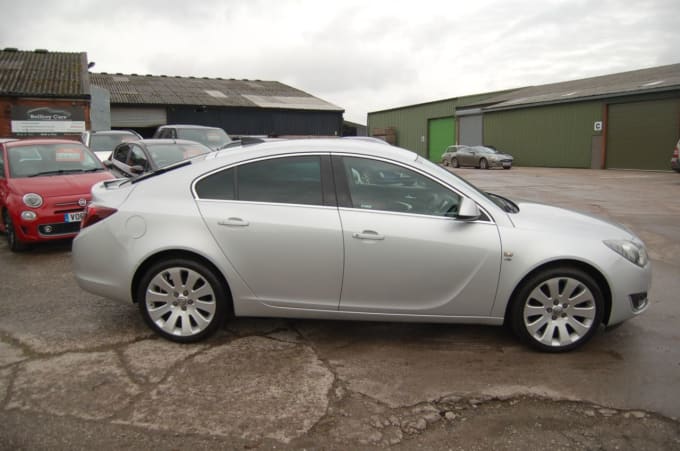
{"points": [[148, 155], [675, 159], [481, 157], [103, 142], [44, 188], [213, 137]]}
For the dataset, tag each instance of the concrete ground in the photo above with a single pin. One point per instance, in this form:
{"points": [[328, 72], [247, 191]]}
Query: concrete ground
{"points": [[78, 371]]}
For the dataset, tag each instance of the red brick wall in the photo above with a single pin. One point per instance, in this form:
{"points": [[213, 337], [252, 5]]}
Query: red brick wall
{"points": [[6, 104]]}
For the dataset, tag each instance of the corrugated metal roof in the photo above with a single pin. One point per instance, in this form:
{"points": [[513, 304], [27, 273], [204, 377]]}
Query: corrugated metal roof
{"points": [[655, 79], [136, 89], [43, 74]]}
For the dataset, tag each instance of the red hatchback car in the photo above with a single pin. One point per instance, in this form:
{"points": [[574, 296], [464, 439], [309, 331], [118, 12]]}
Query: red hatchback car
{"points": [[44, 188]]}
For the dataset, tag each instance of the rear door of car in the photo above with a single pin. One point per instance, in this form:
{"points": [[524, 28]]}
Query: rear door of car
{"points": [[277, 222]]}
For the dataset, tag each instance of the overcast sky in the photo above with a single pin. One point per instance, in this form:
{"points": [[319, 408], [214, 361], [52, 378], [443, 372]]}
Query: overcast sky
{"points": [[360, 55]]}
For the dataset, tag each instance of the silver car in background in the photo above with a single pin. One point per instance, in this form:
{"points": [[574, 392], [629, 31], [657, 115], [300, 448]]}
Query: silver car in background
{"points": [[342, 229], [480, 157]]}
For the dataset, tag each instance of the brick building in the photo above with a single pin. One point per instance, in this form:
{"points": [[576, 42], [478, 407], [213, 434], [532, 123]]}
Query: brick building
{"points": [[43, 93]]}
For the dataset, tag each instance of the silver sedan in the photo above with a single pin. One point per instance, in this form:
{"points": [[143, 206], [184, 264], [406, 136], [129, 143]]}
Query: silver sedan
{"points": [[480, 157], [340, 229]]}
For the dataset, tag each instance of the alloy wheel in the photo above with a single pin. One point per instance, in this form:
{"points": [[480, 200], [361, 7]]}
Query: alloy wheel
{"points": [[180, 302], [560, 312]]}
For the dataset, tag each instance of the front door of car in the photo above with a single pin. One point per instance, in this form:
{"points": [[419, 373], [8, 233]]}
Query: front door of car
{"points": [[277, 222], [405, 252]]}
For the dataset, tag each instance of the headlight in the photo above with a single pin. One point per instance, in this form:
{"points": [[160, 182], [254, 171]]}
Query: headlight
{"points": [[33, 200], [632, 251]]}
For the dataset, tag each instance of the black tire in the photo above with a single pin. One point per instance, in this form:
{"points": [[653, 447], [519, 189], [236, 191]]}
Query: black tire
{"points": [[189, 300], [454, 162], [483, 164], [557, 310], [13, 241], [446, 162], [507, 167]]}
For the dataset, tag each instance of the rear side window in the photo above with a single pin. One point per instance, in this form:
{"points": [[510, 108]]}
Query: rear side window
{"points": [[291, 180], [219, 186]]}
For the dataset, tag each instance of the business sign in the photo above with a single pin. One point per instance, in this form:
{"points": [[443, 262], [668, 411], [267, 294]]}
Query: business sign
{"points": [[47, 120]]}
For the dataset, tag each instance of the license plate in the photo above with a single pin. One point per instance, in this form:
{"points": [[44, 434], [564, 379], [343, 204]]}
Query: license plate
{"points": [[74, 217]]}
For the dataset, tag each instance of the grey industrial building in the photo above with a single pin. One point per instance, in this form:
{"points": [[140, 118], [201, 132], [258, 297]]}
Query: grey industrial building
{"points": [[629, 120], [241, 107], [45, 93]]}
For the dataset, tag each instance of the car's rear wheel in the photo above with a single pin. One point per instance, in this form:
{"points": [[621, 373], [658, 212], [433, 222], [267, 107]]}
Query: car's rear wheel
{"points": [[182, 300], [454, 162], [483, 164], [13, 241], [557, 310]]}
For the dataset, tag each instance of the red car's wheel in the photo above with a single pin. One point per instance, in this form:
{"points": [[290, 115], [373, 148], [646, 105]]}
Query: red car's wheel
{"points": [[13, 241]]}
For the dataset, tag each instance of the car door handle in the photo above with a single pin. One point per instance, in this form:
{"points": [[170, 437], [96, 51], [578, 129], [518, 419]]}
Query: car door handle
{"points": [[368, 235], [234, 222]]}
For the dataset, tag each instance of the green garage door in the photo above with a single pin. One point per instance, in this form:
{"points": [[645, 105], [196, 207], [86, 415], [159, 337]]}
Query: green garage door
{"points": [[441, 134], [641, 135]]}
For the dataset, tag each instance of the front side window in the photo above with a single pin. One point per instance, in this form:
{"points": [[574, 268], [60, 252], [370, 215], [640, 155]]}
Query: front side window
{"points": [[137, 157], [377, 185], [290, 180]]}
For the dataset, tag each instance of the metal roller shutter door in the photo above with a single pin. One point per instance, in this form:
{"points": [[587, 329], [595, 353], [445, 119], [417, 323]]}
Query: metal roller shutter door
{"points": [[641, 135], [122, 117]]}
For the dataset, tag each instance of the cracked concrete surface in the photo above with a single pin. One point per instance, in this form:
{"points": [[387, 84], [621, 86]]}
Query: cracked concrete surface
{"points": [[77, 371]]}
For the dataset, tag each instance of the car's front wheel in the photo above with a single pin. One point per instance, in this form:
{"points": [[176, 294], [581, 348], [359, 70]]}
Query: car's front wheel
{"points": [[454, 162], [182, 300], [557, 310], [483, 164], [446, 162], [13, 241]]}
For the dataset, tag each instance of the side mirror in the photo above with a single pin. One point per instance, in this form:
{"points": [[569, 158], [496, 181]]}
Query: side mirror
{"points": [[108, 164], [468, 210], [136, 169]]}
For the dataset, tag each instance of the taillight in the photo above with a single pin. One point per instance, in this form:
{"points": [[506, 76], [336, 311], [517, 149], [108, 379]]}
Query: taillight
{"points": [[676, 153], [94, 214]]}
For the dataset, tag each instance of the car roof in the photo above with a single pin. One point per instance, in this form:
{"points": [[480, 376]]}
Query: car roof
{"points": [[113, 132], [154, 141], [30, 141], [320, 145], [187, 126]]}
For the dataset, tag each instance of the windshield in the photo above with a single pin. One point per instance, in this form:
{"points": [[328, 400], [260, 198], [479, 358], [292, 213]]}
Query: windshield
{"points": [[103, 143], [211, 137], [51, 159]]}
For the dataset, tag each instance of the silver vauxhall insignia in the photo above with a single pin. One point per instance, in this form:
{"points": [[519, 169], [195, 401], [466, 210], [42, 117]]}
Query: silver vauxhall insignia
{"points": [[353, 230]]}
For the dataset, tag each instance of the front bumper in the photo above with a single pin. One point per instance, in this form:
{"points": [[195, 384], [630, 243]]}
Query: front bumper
{"points": [[629, 288], [500, 164], [675, 164], [45, 228]]}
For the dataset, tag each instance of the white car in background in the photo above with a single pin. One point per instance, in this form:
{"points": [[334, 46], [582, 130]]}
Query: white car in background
{"points": [[103, 142]]}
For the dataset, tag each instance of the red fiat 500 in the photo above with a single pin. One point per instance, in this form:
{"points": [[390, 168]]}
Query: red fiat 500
{"points": [[44, 188]]}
